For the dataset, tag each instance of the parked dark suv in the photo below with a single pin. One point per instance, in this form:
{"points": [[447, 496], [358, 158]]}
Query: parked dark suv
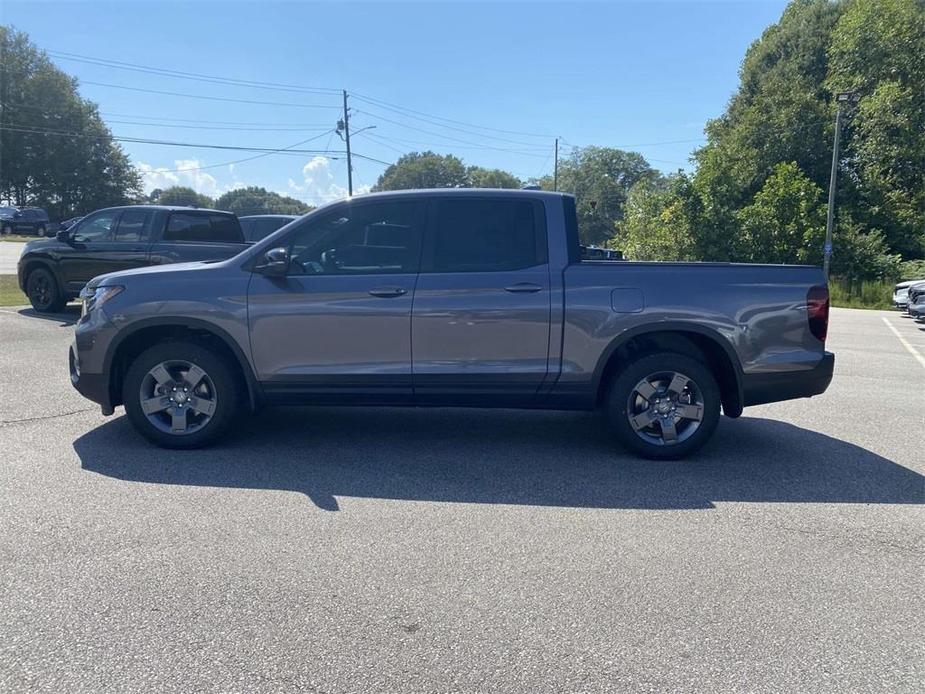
{"points": [[53, 271], [24, 220]]}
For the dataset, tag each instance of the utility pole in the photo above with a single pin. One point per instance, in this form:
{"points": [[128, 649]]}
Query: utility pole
{"points": [[347, 140], [840, 98], [555, 174]]}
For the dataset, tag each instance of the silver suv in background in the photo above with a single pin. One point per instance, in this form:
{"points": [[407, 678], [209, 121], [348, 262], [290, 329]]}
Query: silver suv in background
{"points": [[450, 298]]}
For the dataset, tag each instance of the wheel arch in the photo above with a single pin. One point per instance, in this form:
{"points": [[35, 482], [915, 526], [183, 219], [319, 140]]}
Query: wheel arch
{"points": [[145, 333], [694, 340], [33, 262]]}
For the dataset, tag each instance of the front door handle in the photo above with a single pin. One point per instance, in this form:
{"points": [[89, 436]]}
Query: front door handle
{"points": [[388, 292], [523, 288]]}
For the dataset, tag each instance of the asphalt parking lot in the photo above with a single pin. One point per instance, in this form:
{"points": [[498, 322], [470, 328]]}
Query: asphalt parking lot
{"points": [[329, 550]]}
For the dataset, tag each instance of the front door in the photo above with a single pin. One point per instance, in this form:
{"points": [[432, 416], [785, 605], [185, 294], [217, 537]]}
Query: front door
{"points": [[87, 251], [337, 328], [480, 325]]}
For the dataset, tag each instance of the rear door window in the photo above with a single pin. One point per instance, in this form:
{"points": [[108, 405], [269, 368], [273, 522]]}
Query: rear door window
{"points": [[193, 227], [133, 226], [486, 235]]}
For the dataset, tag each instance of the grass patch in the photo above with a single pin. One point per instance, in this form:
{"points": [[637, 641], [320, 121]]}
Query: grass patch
{"points": [[874, 294], [9, 292], [16, 238]]}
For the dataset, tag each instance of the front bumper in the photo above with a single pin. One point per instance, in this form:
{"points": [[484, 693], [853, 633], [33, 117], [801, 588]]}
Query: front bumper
{"points": [[92, 386], [763, 388]]}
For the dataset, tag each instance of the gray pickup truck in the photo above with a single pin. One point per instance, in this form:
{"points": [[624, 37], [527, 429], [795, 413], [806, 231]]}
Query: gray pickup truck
{"points": [[450, 298]]}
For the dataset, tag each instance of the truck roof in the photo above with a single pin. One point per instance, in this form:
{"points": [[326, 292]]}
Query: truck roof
{"points": [[167, 208], [465, 192]]}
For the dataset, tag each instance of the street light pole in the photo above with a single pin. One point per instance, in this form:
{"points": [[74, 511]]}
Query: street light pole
{"points": [[840, 98], [347, 140]]}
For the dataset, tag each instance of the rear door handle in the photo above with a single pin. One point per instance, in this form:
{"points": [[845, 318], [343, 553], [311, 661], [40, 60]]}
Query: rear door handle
{"points": [[523, 288], [388, 292]]}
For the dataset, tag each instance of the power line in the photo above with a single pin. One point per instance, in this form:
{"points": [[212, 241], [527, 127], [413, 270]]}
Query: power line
{"points": [[385, 104], [447, 137], [138, 140], [157, 120], [181, 74], [207, 98], [437, 144], [240, 161]]}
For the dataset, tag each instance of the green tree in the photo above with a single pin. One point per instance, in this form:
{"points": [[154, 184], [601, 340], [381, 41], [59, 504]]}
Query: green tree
{"points": [[255, 200], [424, 170], [656, 222], [55, 150], [601, 179], [184, 197], [491, 178], [878, 51], [785, 222]]}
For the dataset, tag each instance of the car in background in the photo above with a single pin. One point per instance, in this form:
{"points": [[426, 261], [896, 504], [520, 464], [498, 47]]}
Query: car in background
{"points": [[53, 271], [33, 221], [917, 307], [259, 226], [596, 253], [901, 293], [913, 293]]}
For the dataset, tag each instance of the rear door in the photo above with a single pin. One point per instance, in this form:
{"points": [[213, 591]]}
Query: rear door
{"points": [[193, 235], [481, 319], [131, 239]]}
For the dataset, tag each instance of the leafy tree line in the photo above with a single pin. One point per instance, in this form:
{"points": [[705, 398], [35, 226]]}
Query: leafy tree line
{"points": [[241, 201], [759, 190], [55, 150]]}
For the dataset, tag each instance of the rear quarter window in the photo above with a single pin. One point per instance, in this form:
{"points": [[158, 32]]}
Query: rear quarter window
{"points": [[203, 227]]}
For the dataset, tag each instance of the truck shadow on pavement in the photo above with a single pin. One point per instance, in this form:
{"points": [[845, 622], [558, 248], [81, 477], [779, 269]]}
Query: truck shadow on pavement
{"points": [[505, 457], [66, 318]]}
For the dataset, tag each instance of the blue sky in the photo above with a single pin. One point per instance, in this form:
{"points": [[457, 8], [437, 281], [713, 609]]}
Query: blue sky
{"points": [[510, 76]]}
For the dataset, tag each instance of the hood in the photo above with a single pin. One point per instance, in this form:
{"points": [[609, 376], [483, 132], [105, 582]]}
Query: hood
{"points": [[40, 245], [125, 276]]}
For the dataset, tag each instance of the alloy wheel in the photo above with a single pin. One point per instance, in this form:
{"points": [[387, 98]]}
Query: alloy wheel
{"points": [[665, 408], [178, 397]]}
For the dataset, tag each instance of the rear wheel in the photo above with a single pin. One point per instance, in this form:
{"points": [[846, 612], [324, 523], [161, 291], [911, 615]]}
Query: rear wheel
{"points": [[43, 291], [180, 395], [43, 230], [7, 229], [664, 406]]}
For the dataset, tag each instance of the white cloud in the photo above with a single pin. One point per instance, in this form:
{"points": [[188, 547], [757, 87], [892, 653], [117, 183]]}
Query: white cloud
{"points": [[185, 172], [318, 185]]}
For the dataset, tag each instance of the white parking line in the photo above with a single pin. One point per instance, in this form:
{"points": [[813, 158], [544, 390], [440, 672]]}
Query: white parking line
{"points": [[912, 350]]}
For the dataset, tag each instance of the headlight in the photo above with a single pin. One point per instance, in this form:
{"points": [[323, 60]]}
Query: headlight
{"points": [[94, 297]]}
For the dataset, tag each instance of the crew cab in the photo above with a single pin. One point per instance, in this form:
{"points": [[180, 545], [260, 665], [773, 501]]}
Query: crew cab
{"points": [[450, 298], [53, 271]]}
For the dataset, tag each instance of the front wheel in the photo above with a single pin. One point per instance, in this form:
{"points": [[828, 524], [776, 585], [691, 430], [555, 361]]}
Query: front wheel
{"points": [[43, 230], [7, 229], [43, 291], [180, 394], [664, 406]]}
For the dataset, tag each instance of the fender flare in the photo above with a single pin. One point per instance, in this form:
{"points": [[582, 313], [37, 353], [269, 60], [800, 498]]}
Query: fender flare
{"points": [[254, 392], [734, 410]]}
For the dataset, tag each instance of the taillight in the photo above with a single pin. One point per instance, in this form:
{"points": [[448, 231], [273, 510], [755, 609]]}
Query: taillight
{"points": [[817, 310]]}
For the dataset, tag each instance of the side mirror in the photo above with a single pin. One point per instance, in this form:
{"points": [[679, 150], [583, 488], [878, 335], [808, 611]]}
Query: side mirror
{"points": [[63, 235], [274, 263]]}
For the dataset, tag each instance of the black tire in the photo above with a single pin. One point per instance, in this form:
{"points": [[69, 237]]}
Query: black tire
{"points": [[7, 229], [43, 230], [228, 393], [624, 385], [43, 291]]}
